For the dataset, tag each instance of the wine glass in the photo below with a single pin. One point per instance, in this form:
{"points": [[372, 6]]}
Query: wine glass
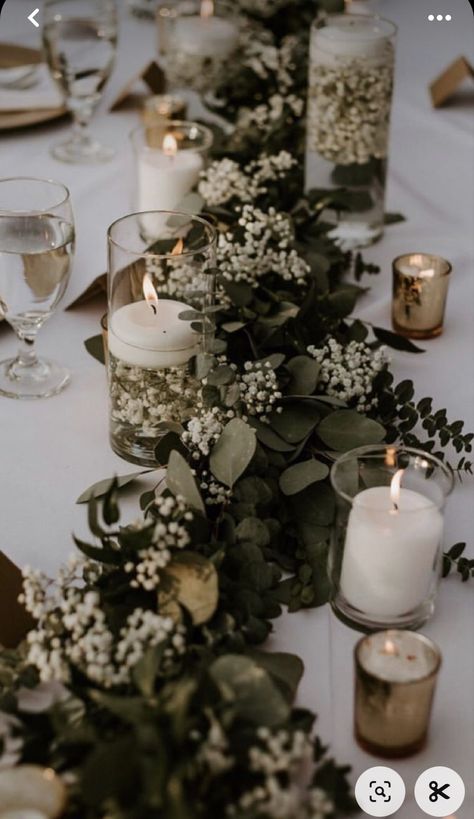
{"points": [[80, 41], [36, 251]]}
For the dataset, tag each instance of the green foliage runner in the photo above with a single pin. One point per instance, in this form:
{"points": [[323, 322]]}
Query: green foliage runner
{"points": [[143, 684]]}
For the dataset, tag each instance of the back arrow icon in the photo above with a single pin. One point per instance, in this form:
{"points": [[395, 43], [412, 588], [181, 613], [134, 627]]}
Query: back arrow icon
{"points": [[32, 18]]}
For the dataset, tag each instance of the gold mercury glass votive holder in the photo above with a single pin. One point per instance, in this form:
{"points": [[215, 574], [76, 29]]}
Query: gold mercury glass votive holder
{"points": [[163, 107], [396, 674], [420, 290]]}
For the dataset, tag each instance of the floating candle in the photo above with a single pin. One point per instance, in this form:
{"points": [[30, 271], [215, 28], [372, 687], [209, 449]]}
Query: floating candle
{"points": [[150, 334]]}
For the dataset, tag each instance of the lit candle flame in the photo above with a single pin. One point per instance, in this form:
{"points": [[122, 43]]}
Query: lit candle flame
{"points": [[170, 145], [207, 8], [395, 488], [390, 456], [390, 648], [178, 248], [151, 296]]}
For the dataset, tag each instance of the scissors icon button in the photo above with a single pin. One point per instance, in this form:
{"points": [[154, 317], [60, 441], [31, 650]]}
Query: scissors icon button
{"points": [[439, 791]]}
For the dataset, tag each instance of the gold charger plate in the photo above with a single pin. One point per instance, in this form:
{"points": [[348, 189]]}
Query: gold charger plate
{"points": [[11, 55]]}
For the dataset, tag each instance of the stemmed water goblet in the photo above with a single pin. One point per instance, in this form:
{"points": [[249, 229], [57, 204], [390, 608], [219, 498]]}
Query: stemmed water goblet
{"points": [[80, 42], [36, 252]]}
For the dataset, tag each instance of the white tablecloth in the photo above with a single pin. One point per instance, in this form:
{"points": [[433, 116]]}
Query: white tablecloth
{"points": [[51, 450]]}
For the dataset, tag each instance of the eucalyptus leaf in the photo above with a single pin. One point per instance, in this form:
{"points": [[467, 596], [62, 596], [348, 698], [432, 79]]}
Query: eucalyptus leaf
{"points": [[99, 489], [195, 585], [233, 452], [304, 375], [346, 429], [180, 481], [95, 348], [166, 445], [256, 698], [298, 476], [286, 669], [396, 341], [295, 421], [269, 438]]}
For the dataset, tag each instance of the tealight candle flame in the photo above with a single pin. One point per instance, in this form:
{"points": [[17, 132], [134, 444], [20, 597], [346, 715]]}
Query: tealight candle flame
{"points": [[207, 8], [151, 296], [390, 456], [178, 248], [170, 145], [390, 648], [395, 488]]}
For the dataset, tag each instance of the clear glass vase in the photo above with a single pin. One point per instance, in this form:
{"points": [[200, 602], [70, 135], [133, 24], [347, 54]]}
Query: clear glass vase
{"points": [[161, 295], [199, 39], [349, 102], [386, 554]]}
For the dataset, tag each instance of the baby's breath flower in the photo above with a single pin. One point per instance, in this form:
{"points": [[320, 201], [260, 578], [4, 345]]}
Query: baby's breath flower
{"points": [[265, 247], [347, 372], [167, 534], [225, 180], [259, 388]]}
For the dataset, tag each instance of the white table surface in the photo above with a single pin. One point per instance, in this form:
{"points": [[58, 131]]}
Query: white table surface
{"points": [[50, 451]]}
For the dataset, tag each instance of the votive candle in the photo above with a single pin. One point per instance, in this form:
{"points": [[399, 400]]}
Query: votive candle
{"points": [[396, 674], [420, 290]]}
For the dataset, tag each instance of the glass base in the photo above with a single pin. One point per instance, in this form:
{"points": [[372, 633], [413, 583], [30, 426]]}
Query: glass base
{"points": [[82, 152], [134, 448], [411, 332], [40, 380], [367, 623], [389, 752]]}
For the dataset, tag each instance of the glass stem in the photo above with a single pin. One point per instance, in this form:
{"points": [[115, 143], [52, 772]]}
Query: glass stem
{"points": [[82, 115], [26, 356]]}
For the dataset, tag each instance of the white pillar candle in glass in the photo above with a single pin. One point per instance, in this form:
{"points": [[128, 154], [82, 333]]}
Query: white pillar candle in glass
{"points": [[150, 334], [392, 542], [349, 38], [204, 34], [166, 175]]}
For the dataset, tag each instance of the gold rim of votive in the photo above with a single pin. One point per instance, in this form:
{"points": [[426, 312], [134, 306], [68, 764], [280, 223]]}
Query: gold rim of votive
{"points": [[437, 656], [405, 258]]}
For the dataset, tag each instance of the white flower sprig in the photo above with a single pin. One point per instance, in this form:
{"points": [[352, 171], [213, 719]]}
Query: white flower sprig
{"points": [[167, 534], [283, 760], [225, 180], [72, 632], [266, 247], [259, 388], [347, 372]]}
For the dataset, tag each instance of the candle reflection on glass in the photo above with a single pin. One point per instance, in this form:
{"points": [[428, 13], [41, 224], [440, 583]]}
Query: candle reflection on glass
{"points": [[396, 674], [420, 289]]}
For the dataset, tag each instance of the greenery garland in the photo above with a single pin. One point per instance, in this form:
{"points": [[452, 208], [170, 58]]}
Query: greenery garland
{"points": [[142, 683]]}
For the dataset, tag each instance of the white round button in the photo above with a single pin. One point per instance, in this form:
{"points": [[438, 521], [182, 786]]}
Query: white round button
{"points": [[380, 791], [439, 791]]}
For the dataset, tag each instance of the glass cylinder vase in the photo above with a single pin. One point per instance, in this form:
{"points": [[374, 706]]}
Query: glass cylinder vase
{"points": [[161, 293], [199, 39], [386, 554], [349, 102]]}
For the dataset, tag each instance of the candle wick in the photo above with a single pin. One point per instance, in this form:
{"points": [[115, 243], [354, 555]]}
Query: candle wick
{"points": [[153, 307]]}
